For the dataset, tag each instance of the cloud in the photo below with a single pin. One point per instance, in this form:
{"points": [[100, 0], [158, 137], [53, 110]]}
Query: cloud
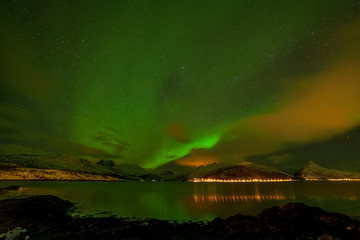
{"points": [[20, 126], [31, 78], [111, 138], [178, 131], [198, 157], [321, 106]]}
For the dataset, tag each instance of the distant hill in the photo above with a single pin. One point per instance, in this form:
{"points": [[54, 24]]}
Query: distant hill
{"points": [[19, 158], [339, 152], [313, 171], [25, 157], [176, 168], [244, 171], [126, 170], [172, 171], [11, 172], [59, 162]]}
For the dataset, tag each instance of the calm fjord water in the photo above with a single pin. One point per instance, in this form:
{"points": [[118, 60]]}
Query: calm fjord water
{"points": [[194, 201]]}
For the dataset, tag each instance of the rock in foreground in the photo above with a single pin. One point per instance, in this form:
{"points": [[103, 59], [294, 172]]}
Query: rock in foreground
{"points": [[45, 217]]}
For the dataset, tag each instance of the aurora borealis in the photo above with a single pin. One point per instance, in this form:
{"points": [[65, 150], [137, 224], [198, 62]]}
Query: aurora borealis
{"points": [[148, 82]]}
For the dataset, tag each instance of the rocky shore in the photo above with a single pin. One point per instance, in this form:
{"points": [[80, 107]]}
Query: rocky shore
{"points": [[46, 217]]}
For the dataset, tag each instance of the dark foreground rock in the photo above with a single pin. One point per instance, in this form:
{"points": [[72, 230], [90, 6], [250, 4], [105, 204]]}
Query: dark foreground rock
{"points": [[45, 217]]}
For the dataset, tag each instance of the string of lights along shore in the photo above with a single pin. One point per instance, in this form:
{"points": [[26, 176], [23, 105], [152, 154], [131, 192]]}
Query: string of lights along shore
{"points": [[261, 180]]}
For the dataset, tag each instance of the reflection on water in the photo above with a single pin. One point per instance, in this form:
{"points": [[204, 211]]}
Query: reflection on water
{"points": [[237, 199], [214, 180], [183, 201], [239, 193]]}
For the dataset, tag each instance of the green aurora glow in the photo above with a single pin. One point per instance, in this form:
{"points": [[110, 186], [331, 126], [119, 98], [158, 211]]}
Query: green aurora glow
{"points": [[145, 82]]}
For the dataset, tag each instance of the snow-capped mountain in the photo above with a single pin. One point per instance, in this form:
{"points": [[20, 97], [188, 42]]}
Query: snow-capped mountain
{"points": [[13, 158], [246, 170], [313, 171], [172, 171], [127, 170]]}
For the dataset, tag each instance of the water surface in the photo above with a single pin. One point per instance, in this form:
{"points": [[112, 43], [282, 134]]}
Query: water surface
{"points": [[194, 201]]}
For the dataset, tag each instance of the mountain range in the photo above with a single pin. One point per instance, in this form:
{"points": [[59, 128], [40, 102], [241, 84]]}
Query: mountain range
{"points": [[23, 163], [313, 171]]}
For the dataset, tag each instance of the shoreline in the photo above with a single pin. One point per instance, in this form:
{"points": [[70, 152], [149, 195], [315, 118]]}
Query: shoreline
{"points": [[189, 181], [46, 217], [31, 174]]}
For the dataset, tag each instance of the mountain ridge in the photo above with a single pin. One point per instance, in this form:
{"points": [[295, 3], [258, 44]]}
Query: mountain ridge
{"points": [[311, 170], [42, 165]]}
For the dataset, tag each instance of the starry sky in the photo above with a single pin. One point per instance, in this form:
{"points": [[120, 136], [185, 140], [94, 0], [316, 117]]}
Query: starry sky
{"points": [[149, 82]]}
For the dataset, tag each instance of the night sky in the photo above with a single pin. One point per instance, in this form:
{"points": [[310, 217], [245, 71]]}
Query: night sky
{"points": [[148, 82]]}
